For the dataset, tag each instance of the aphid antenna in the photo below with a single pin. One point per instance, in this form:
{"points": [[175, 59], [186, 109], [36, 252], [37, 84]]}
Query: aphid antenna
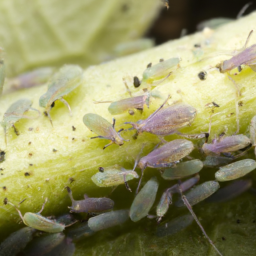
{"points": [[242, 11], [238, 94], [49, 116], [104, 101], [142, 172], [247, 41], [114, 123], [70, 194], [15, 130], [67, 105], [45, 201], [189, 207], [19, 212], [156, 84], [127, 87]]}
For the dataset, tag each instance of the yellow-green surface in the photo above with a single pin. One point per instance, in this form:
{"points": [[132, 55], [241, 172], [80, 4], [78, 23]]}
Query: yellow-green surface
{"points": [[78, 157]]}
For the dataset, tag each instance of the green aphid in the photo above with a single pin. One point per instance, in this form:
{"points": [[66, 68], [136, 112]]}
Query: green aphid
{"points": [[62, 83], [235, 170], [16, 242], [39, 222], [160, 71], [16, 112], [183, 170], [163, 205], [114, 176], [144, 200], [108, 220], [199, 193]]}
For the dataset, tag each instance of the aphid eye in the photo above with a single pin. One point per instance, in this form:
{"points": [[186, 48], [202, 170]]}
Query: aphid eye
{"points": [[27, 174], [136, 82], [101, 169], [6, 201], [197, 45], [149, 65], [53, 104], [202, 75]]}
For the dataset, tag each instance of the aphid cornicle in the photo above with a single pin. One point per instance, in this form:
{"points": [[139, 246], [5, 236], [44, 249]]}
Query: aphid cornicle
{"points": [[166, 121], [37, 221], [103, 128], [144, 200], [160, 71], [90, 204], [235, 170], [16, 112], [62, 83]]}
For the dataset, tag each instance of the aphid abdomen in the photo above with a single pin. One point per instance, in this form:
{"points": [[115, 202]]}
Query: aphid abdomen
{"points": [[164, 203], [98, 205], [39, 222]]}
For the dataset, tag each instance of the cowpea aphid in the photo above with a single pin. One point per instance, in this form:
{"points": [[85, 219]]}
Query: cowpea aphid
{"points": [[235, 170], [166, 121], [37, 221], [62, 83], [16, 112], [103, 128], [108, 220], [90, 204]]}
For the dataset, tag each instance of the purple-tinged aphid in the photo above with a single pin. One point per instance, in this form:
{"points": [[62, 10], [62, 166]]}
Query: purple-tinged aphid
{"points": [[183, 170], [235, 170], [174, 226], [43, 244], [166, 156], [231, 191], [144, 200], [62, 83], [39, 222], [17, 241], [226, 144], [16, 112], [108, 220], [103, 128], [90, 204], [166, 121]]}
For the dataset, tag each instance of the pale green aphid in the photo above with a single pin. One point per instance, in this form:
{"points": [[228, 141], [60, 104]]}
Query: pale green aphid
{"points": [[67, 79], [114, 176], [159, 71], [144, 200], [163, 205], [199, 193], [174, 226], [37, 221], [16, 112], [235, 170], [16, 242], [183, 169], [108, 220]]}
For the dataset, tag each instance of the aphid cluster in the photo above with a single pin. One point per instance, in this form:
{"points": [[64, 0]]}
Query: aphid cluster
{"points": [[169, 158]]}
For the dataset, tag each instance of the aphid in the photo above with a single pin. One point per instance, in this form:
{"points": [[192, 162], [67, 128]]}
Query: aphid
{"points": [[199, 193], [16, 112], [44, 244], [226, 144], [166, 121], [2, 75], [136, 82], [231, 191], [213, 161], [166, 156], [16, 242], [202, 75], [90, 205], [144, 200], [30, 79], [108, 220], [174, 226], [182, 170], [158, 73], [166, 198], [134, 46], [103, 128], [62, 83], [79, 232], [235, 170], [114, 176], [37, 221]]}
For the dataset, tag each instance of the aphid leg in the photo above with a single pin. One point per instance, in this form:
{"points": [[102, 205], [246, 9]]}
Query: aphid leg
{"points": [[238, 92], [67, 105], [241, 12], [127, 87], [247, 41], [142, 172], [46, 199], [189, 207], [114, 123], [70, 195], [49, 116], [39, 113], [108, 145], [237, 116], [155, 84], [15, 130], [17, 210], [126, 184], [161, 138]]}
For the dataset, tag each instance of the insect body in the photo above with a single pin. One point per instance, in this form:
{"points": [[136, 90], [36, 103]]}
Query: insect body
{"points": [[16, 112], [90, 205], [166, 121], [103, 128], [65, 81], [235, 170]]}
